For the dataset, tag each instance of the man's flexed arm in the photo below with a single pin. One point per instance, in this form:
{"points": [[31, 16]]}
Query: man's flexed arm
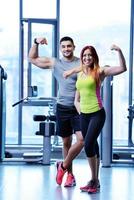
{"points": [[42, 62]]}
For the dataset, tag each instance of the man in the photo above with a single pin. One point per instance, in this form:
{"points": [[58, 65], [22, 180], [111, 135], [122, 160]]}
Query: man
{"points": [[66, 114]]}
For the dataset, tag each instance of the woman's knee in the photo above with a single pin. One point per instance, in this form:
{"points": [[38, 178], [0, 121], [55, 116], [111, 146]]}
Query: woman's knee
{"points": [[89, 150]]}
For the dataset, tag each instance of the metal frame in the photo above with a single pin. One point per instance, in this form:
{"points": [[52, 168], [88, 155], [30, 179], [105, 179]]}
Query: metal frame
{"points": [[54, 53], [130, 142], [3, 77], [106, 136], [54, 22]]}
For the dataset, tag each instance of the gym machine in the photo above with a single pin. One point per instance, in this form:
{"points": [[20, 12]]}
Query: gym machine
{"points": [[3, 78], [46, 129]]}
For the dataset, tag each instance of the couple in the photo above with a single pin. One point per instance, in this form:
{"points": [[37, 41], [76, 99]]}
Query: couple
{"points": [[79, 105]]}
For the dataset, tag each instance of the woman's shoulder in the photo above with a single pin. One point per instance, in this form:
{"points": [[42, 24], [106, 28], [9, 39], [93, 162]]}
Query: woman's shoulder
{"points": [[102, 72], [79, 74]]}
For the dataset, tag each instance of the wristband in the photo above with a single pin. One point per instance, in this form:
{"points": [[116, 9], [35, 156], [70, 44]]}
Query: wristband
{"points": [[35, 41]]}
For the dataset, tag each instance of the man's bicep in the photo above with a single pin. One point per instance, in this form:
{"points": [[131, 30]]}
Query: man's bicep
{"points": [[43, 62]]}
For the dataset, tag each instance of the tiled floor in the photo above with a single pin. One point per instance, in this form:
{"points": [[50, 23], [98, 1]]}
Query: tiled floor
{"points": [[37, 182]]}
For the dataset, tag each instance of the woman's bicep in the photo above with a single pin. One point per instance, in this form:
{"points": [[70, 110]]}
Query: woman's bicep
{"points": [[111, 71]]}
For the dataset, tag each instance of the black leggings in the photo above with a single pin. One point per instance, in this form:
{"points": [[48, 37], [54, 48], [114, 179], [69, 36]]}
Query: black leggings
{"points": [[91, 126]]}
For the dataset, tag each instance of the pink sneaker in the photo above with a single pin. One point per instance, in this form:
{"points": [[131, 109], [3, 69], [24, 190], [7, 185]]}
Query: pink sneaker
{"points": [[70, 181], [60, 173], [91, 187]]}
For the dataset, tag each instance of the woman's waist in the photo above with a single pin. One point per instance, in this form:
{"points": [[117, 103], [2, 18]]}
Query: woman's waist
{"points": [[90, 108]]}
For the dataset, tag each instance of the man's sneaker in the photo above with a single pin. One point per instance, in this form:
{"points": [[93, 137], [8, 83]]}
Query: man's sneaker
{"points": [[60, 173], [91, 187], [70, 181]]}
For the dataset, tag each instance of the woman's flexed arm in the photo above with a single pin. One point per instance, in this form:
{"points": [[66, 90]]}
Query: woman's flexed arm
{"points": [[74, 70], [107, 71]]}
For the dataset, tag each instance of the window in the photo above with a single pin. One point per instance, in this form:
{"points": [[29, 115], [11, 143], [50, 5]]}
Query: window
{"points": [[93, 22]]}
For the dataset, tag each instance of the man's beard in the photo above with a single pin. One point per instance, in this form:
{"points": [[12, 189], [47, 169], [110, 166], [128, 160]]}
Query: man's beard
{"points": [[70, 55]]}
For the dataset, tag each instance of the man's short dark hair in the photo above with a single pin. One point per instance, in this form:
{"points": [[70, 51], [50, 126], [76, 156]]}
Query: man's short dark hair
{"points": [[67, 38]]}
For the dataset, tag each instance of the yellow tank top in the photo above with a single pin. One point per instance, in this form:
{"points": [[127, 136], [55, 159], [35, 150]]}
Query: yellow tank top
{"points": [[90, 98]]}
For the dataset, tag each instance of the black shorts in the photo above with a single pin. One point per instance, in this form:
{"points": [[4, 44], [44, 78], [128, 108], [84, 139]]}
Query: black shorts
{"points": [[67, 120]]}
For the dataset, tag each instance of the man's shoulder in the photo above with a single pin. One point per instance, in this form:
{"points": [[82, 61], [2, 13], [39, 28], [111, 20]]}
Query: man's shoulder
{"points": [[76, 61], [76, 58], [57, 61], [62, 61]]}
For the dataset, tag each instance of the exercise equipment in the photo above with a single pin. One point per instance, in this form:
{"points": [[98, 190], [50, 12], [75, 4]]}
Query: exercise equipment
{"points": [[46, 129], [3, 78]]}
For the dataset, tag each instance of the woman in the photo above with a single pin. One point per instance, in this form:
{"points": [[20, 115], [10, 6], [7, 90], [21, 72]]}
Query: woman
{"points": [[89, 104]]}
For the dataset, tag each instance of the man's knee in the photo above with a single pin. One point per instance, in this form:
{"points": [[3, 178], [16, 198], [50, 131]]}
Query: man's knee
{"points": [[80, 138], [67, 142], [81, 142]]}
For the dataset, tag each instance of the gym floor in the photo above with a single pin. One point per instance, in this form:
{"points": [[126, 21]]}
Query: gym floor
{"points": [[22, 181]]}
